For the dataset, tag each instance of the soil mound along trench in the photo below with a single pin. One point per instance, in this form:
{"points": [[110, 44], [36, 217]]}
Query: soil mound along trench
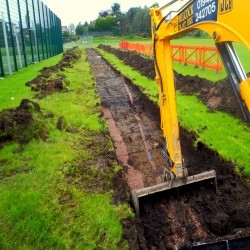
{"points": [[23, 123], [182, 216], [217, 96], [52, 79]]}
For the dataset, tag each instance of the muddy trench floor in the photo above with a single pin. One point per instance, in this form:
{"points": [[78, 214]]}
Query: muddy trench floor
{"points": [[180, 217]]}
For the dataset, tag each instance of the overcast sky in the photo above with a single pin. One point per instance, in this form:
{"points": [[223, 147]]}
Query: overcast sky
{"points": [[75, 11]]}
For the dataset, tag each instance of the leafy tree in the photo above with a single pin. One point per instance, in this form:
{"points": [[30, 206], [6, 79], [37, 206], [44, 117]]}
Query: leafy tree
{"points": [[91, 27], [116, 10], [135, 21], [79, 29], [130, 15], [66, 34], [105, 23], [141, 22], [85, 28]]}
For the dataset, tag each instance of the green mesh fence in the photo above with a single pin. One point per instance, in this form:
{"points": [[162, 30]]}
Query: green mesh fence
{"points": [[29, 32]]}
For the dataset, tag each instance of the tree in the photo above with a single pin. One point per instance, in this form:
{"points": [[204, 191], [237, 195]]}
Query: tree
{"points": [[104, 23], [141, 22], [130, 15], [66, 34], [91, 27], [116, 10], [79, 29]]}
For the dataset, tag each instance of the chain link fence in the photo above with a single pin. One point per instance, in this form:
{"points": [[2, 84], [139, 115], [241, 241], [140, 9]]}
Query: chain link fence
{"points": [[29, 32]]}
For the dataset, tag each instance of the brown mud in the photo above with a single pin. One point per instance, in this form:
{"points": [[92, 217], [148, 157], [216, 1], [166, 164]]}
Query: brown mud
{"points": [[52, 79], [180, 217], [217, 96], [22, 123]]}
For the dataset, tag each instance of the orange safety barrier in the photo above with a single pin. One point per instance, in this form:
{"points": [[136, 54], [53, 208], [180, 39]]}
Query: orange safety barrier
{"points": [[200, 56]]}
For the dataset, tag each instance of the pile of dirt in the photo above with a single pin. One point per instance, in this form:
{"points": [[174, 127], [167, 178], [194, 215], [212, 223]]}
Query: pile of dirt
{"points": [[183, 216], [23, 123], [56, 82], [217, 96], [52, 79]]}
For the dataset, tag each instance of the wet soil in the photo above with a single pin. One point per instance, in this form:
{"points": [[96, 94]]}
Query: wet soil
{"points": [[22, 123], [52, 79], [217, 96], [180, 217]]}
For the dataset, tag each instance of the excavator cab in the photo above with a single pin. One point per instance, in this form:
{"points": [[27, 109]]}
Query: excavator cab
{"points": [[224, 20]]}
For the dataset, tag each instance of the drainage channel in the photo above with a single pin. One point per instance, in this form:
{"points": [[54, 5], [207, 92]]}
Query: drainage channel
{"points": [[135, 133]]}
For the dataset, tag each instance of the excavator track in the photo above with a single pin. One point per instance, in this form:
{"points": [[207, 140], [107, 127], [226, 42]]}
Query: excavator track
{"points": [[182, 217]]}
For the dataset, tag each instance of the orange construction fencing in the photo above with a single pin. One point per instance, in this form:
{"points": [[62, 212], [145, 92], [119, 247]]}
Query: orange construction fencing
{"points": [[200, 56]]}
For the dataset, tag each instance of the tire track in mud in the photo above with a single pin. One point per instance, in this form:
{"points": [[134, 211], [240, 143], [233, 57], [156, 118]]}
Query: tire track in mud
{"points": [[183, 216]]}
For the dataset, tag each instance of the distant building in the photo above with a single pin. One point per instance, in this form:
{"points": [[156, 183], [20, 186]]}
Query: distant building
{"points": [[64, 28]]}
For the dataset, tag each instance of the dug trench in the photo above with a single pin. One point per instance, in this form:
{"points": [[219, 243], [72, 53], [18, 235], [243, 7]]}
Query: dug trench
{"points": [[180, 217], [216, 96]]}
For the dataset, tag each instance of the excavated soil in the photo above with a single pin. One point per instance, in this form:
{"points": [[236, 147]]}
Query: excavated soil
{"points": [[22, 123], [217, 96], [180, 217], [52, 79]]}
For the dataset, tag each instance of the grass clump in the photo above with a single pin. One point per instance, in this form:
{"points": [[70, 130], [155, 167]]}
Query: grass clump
{"points": [[124, 211]]}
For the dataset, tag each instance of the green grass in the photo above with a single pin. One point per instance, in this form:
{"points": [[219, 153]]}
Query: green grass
{"points": [[219, 131], [12, 87], [34, 213]]}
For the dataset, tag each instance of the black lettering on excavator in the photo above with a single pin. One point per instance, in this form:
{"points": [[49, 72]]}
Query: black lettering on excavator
{"points": [[225, 6], [198, 11]]}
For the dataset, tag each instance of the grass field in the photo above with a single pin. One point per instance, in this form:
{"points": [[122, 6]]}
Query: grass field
{"points": [[46, 197], [46, 202]]}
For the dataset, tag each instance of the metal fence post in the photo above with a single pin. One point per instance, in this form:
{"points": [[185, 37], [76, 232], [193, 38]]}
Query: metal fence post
{"points": [[53, 35], [11, 35], [36, 46], [17, 45], [45, 31], [30, 34], [35, 32], [40, 27], [1, 64], [6, 44], [21, 30], [48, 30]]}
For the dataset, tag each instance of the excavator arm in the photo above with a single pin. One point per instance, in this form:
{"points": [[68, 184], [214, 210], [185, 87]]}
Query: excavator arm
{"points": [[225, 21]]}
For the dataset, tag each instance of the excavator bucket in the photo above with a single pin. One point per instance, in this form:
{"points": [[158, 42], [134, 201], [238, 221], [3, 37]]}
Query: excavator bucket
{"points": [[140, 193]]}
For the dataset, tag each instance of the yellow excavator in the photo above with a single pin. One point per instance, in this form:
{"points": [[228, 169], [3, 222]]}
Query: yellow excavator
{"points": [[226, 21]]}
